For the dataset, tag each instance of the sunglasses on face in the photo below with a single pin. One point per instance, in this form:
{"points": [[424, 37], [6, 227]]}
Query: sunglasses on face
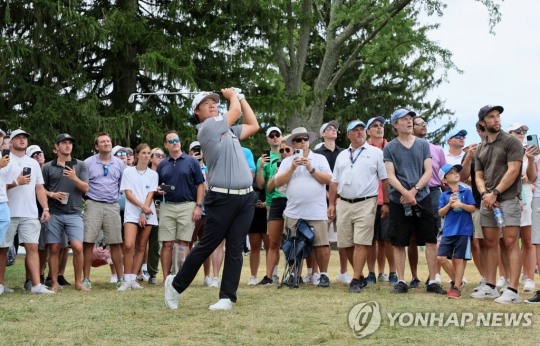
{"points": [[105, 170], [274, 135], [159, 156], [459, 137], [284, 150], [121, 154], [301, 139], [36, 155], [423, 123], [377, 126], [520, 132], [174, 140]]}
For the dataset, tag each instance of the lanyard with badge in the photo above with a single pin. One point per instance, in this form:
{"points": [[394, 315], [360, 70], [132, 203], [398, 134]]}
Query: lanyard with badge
{"points": [[348, 174]]}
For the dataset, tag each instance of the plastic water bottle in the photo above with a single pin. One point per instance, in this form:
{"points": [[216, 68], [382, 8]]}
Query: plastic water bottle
{"points": [[458, 195], [499, 217], [408, 210]]}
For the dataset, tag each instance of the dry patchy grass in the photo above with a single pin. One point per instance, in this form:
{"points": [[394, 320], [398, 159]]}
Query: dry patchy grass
{"points": [[263, 315]]}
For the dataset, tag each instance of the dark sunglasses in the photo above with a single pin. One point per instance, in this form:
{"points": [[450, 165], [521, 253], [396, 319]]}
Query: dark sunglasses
{"points": [[36, 155], [159, 156], [459, 137], [300, 139], [286, 150], [105, 170], [174, 140], [520, 132], [274, 135], [423, 123], [121, 154]]}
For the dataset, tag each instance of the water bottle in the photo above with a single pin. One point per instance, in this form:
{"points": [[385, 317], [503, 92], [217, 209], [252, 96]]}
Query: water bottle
{"points": [[458, 195], [408, 210], [179, 255], [499, 217]]}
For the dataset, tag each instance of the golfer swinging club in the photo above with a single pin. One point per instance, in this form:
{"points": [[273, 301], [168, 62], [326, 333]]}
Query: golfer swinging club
{"points": [[230, 202]]}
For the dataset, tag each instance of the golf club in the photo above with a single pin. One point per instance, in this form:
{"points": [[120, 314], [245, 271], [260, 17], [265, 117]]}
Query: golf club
{"points": [[131, 98]]}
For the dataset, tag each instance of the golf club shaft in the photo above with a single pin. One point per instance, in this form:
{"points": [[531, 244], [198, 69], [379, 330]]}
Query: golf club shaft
{"points": [[131, 98]]}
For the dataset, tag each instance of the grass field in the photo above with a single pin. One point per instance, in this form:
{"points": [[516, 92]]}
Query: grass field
{"points": [[262, 316]]}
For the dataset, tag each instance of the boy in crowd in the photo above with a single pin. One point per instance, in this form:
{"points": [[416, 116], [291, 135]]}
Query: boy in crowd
{"points": [[456, 205]]}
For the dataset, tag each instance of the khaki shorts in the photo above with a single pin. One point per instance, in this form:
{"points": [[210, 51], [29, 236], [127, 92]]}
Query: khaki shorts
{"points": [[102, 216], [356, 222], [511, 212], [175, 221], [536, 218], [320, 230], [28, 228]]}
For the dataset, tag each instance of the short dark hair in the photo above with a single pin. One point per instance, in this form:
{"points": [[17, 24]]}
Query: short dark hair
{"points": [[168, 133], [100, 135], [480, 127]]}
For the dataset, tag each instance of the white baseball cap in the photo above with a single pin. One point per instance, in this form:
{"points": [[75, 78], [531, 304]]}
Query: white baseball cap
{"points": [[33, 149], [200, 97]]}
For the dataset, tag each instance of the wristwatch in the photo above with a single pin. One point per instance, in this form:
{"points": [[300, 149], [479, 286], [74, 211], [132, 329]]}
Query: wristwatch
{"points": [[496, 192], [417, 188], [198, 205], [312, 170]]}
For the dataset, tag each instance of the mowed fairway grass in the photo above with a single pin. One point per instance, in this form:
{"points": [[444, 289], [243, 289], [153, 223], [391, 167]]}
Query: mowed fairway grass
{"points": [[263, 315]]}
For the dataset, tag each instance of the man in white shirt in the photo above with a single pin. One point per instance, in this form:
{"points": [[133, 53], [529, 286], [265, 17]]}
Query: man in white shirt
{"points": [[357, 173], [26, 184], [456, 143], [306, 175]]}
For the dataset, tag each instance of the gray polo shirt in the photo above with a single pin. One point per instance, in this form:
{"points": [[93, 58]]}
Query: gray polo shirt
{"points": [[55, 181], [227, 165]]}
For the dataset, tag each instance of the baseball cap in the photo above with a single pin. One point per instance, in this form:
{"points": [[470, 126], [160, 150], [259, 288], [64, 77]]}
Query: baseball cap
{"points": [[18, 132], [325, 125], [117, 149], [33, 149], [486, 109], [2, 133], [354, 124], [63, 136], [453, 134], [200, 97], [194, 144], [515, 126], [400, 113], [270, 129], [377, 118], [443, 171]]}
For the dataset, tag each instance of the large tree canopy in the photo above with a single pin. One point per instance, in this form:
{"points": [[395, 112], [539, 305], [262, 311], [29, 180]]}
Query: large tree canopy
{"points": [[70, 65]]}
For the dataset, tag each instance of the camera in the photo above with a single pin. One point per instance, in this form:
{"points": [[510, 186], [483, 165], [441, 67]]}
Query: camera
{"points": [[167, 188]]}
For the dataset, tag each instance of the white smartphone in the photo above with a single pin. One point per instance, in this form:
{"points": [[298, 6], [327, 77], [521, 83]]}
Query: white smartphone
{"points": [[298, 152], [532, 140]]}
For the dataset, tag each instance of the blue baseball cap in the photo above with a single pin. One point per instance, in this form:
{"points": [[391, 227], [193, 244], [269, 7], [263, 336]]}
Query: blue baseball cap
{"points": [[354, 124], [453, 134], [443, 171], [377, 118], [400, 113]]}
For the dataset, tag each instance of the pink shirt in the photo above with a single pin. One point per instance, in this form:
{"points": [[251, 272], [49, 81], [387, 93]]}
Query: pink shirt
{"points": [[380, 198]]}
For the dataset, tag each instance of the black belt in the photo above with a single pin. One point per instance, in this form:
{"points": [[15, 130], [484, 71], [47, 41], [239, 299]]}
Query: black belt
{"points": [[433, 188], [355, 200], [93, 200]]}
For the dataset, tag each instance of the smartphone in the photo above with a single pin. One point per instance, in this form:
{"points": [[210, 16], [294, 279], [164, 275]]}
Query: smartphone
{"points": [[167, 188], [5, 152], [26, 170], [266, 152], [298, 152], [278, 164], [69, 164], [532, 140]]}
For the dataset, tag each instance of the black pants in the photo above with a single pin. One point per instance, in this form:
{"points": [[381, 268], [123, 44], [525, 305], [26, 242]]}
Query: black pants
{"points": [[227, 217]]}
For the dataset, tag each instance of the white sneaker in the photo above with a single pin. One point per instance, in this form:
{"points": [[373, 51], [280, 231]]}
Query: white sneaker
{"points": [[171, 296], [307, 279], [508, 297], [485, 292], [114, 279], [40, 289], [480, 285], [500, 282], [1, 289], [504, 286], [126, 285], [383, 277], [253, 281], [8, 290], [222, 304], [315, 278], [215, 282], [464, 280], [529, 285], [207, 281], [438, 278], [135, 285], [343, 278]]}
